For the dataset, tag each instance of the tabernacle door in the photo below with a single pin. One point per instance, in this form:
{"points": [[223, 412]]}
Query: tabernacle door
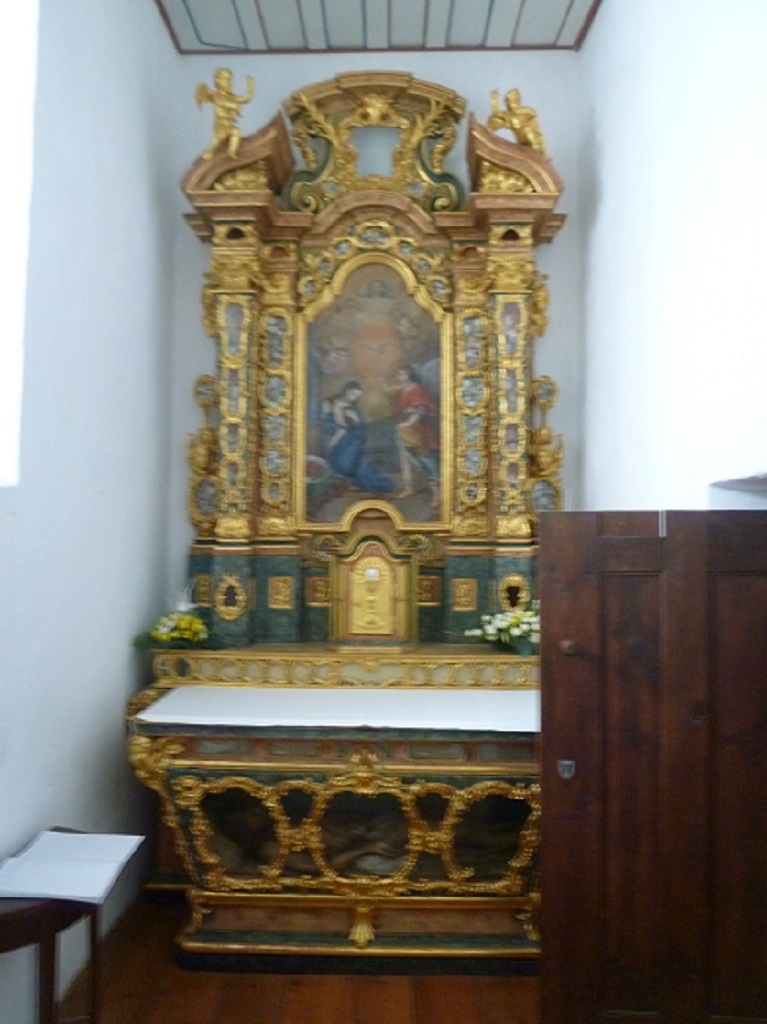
{"points": [[654, 718]]}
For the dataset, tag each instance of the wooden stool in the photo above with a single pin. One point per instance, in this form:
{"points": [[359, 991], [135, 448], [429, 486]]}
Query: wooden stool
{"points": [[38, 922]]}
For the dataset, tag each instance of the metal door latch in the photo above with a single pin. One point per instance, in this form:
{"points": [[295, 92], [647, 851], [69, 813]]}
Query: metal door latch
{"points": [[566, 769]]}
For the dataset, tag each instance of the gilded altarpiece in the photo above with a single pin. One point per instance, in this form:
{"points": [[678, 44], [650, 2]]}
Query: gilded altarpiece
{"points": [[374, 346], [367, 481]]}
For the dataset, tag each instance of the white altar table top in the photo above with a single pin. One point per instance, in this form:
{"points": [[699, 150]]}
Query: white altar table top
{"points": [[358, 708]]}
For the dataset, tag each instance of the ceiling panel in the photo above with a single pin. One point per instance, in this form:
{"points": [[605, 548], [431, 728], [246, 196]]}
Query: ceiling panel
{"points": [[281, 21], [345, 21], [468, 24], [540, 22], [576, 23], [298, 26], [252, 24], [408, 23], [502, 23], [314, 25], [376, 25], [437, 20]]}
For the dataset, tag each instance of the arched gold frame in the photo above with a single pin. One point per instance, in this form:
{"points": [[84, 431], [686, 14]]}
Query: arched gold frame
{"points": [[443, 321]]}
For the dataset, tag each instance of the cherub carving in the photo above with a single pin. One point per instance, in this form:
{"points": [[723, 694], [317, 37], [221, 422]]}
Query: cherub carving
{"points": [[523, 121], [546, 452], [226, 110]]}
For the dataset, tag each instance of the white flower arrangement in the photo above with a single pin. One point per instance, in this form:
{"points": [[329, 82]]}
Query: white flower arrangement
{"points": [[513, 628]]}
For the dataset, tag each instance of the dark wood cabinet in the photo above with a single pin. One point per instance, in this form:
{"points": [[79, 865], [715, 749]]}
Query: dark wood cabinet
{"points": [[654, 724]]}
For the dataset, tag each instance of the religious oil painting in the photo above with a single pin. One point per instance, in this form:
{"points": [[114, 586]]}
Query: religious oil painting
{"points": [[373, 401]]}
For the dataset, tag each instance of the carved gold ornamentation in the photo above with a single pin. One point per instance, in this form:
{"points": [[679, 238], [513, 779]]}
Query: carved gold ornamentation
{"points": [[281, 591], [517, 526], [318, 591], [203, 459], [230, 600], [429, 591], [516, 585], [319, 852], [510, 273], [546, 450], [522, 121], [142, 700], [275, 270], [429, 267], [465, 595], [226, 110], [493, 178], [325, 119], [203, 590], [511, 437], [254, 178], [540, 303], [441, 666], [275, 420], [362, 931]]}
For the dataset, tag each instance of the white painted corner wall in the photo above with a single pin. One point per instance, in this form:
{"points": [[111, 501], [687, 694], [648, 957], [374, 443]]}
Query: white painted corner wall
{"points": [[84, 532], [675, 159]]}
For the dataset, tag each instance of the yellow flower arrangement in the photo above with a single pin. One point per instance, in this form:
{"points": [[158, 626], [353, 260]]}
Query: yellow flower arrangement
{"points": [[182, 627]]}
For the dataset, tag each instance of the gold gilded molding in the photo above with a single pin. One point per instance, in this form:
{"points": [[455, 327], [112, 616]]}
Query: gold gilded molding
{"points": [[429, 591], [428, 268], [253, 178], [313, 852], [513, 584], [203, 460], [511, 273], [539, 305], [318, 591], [464, 595], [444, 666], [281, 591], [493, 178], [150, 757], [230, 600], [202, 589]]}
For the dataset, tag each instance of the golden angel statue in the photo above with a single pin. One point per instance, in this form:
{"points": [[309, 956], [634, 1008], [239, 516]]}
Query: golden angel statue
{"points": [[226, 110], [523, 121]]}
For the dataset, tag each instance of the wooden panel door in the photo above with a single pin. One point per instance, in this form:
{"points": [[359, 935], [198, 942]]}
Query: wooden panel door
{"points": [[654, 724]]}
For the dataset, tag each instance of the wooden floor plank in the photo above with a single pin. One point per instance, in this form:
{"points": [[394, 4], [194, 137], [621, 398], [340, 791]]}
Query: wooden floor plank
{"points": [[384, 1000], [503, 1003], [144, 985], [449, 1001], [253, 999], [319, 999]]}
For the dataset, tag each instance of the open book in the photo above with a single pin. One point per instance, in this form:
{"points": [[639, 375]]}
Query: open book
{"points": [[68, 865]]}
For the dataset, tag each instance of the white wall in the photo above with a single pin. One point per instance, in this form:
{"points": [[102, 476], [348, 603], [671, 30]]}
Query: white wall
{"points": [[83, 534], [675, 156]]}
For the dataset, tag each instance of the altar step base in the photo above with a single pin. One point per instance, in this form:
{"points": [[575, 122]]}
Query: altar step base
{"points": [[235, 925]]}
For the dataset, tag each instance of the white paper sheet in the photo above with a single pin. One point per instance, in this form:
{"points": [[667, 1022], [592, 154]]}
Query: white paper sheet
{"points": [[68, 866]]}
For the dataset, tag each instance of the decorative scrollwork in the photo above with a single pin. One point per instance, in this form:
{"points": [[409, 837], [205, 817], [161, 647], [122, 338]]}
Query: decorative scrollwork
{"points": [[324, 121]]}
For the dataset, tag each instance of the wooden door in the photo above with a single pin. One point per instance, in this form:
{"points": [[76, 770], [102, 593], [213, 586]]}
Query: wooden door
{"points": [[654, 697]]}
